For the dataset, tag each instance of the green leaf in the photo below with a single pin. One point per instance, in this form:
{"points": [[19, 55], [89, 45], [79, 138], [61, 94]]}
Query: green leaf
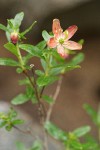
{"points": [[76, 145], [73, 64], [60, 69], [48, 99], [19, 70], [27, 58], [12, 48], [12, 113], [77, 59], [2, 27], [33, 50], [17, 121], [46, 80], [8, 127], [20, 146], [91, 112], [18, 19], [8, 62], [37, 145], [57, 56], [24, 82], [41, 45], [71, 67], [45, 35], [2, 123], [20, 99], [39, 72], [27, 30], [29, 92], [90, 143], [55, 132], [9, 28], [90, 146], [57, 70], [10, 23], [44, 64], [82, 131]]}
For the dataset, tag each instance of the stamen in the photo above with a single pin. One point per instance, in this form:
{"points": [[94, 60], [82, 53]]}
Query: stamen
{"points": [[61, 41]]}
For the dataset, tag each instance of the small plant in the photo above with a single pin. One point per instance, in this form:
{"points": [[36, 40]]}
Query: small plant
{"points": [[54, 55]]}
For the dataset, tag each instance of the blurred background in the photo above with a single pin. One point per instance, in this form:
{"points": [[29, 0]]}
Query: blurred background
{"points": [[79, 86]]}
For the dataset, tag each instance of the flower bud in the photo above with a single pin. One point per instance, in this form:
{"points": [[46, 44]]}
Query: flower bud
{"points": [[14, 37]]}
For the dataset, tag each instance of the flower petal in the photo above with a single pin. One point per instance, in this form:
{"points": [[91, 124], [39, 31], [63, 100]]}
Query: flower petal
{"points": [[52, 43], [61, 51], [56, 28], [71, 31], [71, 45]]}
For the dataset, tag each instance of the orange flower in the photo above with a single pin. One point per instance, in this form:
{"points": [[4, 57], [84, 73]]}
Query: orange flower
{"points": [[61, 39]]}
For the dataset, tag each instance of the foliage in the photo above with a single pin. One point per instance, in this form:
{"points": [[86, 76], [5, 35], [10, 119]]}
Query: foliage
{"points": [[37, 145], [54, 66], [9, 120]]}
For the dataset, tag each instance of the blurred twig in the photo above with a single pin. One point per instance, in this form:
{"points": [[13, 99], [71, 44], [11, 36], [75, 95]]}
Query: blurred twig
{"points": [[54, 98]]}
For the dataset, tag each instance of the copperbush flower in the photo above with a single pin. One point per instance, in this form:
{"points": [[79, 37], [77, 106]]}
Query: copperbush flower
{"points": [[61, 41], [14, 37]]}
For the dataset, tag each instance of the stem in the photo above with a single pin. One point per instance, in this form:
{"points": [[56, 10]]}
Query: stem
{"points": [[20, 57], [50, 110], [42, 90], [37, 93], [55, 98], [41, 106], [47, 65], [44, 110], [33, 83], [45, 139], [22, 131]]}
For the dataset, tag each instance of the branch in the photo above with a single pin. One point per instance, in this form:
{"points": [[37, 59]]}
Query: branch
{"points": [[41, 109], [54, 98], [42, 90], [28, 131]]}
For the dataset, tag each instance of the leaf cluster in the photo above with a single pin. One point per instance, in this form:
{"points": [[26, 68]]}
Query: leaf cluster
{"points": [[9, 119]]}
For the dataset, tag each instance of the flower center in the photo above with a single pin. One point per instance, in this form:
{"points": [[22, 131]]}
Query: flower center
{"points": [[61, 41]]}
